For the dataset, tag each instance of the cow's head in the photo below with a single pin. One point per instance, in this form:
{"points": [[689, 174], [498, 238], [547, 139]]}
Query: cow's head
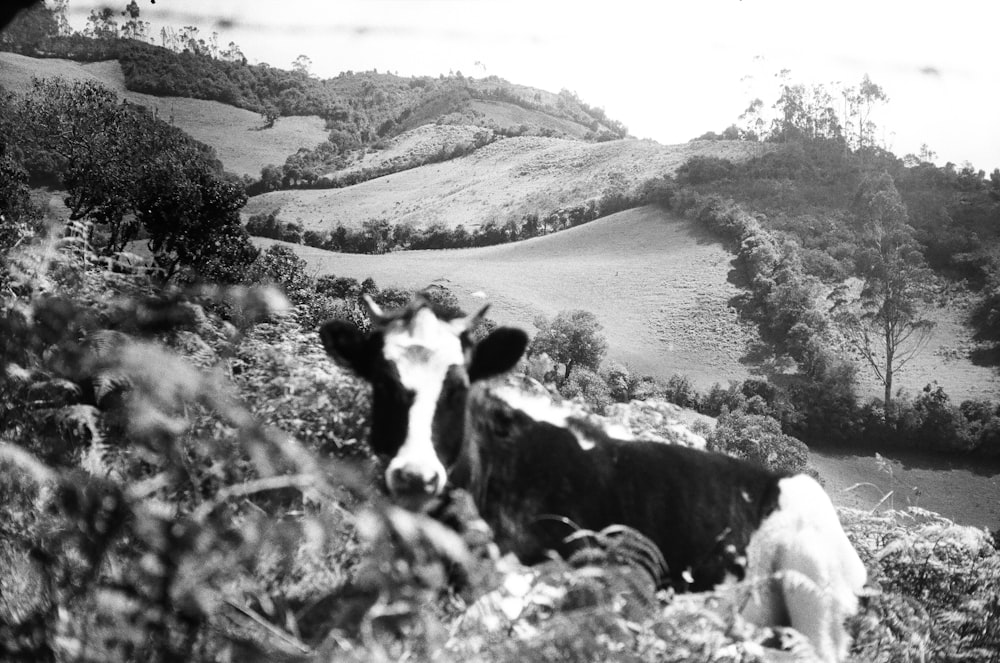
{"points": [[420, 368]]}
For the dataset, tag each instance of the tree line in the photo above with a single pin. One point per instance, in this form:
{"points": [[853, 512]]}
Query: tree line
{"points": [[377, 236]]}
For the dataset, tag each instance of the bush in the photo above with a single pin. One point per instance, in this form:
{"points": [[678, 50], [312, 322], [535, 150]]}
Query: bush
{"points": [[679, 390], [758, 439], [702, 170], [589, 387], [282, 267], [341, 287]]}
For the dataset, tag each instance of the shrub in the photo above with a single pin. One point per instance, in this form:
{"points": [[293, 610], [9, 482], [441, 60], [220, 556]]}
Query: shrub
{"points": [[721, 399], [702, 170], [758, 439], [281, 266], [342, 287], [587, 386], [679, 390]]}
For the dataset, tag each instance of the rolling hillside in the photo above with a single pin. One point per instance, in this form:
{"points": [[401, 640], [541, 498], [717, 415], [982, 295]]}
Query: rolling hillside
{"points": [[504, 180], [235, 133], [659, 286]]}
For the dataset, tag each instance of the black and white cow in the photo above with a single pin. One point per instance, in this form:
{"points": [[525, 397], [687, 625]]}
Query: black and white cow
{"points": [[536, 471]]}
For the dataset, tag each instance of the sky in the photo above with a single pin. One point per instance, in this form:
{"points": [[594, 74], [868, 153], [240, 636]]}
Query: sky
{"points": [[668, 70]]}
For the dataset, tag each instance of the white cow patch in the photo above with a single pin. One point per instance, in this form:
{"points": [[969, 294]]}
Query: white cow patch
{"points": [[542, 408], [538, 408], [806, 567]]}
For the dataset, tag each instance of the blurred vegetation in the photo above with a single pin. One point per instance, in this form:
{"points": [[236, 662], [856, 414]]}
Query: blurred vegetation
{"points": [[182, 470], [184, 480]]}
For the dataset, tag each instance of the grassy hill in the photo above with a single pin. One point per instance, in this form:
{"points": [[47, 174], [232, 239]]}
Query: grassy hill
{"points": [[235, 133], [504, 180], [658, 284]]}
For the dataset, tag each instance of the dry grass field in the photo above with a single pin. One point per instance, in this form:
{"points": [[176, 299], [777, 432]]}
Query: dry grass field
{"points": [[417, 145], [657, 284], [236, 134], [967, 491], [511, 115], [504, 180]]}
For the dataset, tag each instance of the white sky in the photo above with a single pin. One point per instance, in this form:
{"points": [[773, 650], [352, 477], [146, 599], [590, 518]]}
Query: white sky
{"points": [[669, 70]]}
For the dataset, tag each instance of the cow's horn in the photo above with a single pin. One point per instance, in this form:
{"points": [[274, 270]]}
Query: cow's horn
{"points": [[373, 309]]}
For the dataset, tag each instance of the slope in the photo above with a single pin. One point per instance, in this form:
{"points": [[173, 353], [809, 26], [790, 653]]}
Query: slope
{"points": [[504, 180], [657, 284], [236, 134]]}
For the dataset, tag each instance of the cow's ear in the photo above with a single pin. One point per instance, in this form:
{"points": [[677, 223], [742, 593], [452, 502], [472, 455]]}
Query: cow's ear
{"points": [[497, 353], [348, 345]]}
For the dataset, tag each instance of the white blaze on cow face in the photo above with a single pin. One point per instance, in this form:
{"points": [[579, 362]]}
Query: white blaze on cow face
{"points": [[422, 348]]}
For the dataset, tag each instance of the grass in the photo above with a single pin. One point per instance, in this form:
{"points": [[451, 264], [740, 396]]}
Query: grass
{"points": [[656, 283], [417, 145], [945, 359], [967, 492], [511, 115], [504, 180], [234, 132]]}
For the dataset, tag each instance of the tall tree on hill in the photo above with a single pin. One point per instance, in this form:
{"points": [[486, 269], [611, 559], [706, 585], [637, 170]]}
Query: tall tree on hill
{"points": [[134, 28], [101, 24], [884, 321], [859, 104]]}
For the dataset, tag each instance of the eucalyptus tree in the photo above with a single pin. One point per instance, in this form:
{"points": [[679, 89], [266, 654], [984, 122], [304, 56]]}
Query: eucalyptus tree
{"points": [[885, 318]]}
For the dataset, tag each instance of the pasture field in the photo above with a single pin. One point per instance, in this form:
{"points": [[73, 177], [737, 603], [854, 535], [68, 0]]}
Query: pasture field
{"points": [[658, 284], [411, 146], [240, 143], [504, 180], [966, 491], [511, 115]]}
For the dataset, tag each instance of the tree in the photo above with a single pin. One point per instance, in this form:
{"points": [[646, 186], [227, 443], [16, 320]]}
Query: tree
{"points": [[884, 321], [126, 170], [572, 339], [134, 28], [29, 29], [271, 113], [233, 53], [81, 132], [859, 103], [301, 65], [101, 24]]}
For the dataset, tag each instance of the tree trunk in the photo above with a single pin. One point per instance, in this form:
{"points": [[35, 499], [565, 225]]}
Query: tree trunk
{"points": [[888, 383], [569, 368]]}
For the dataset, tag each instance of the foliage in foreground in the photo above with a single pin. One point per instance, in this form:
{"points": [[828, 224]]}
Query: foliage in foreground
{"points": [[176, 487]]}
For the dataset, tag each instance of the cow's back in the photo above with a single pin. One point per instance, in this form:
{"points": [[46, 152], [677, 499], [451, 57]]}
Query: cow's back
{"points": [[536, 481]]}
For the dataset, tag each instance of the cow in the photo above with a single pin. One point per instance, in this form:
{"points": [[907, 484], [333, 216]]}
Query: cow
{"points": [[537, 472]]}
